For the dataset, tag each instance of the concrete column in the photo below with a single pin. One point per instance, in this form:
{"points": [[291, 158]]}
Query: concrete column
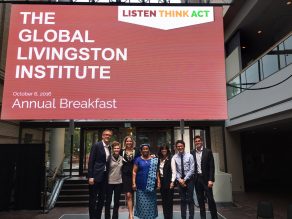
{"points": [[57, 143], [234, 160], [177, 136], [216, 133]]}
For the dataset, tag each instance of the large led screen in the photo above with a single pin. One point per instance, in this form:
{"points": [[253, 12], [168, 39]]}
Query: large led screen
{"points": [[114, 63]]}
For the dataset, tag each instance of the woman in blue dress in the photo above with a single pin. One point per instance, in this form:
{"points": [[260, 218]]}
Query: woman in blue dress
{"points": [[145, 181]]}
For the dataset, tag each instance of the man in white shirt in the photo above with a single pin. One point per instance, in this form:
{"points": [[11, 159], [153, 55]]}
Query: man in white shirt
{"points": [[204, 177], [184, 163]]}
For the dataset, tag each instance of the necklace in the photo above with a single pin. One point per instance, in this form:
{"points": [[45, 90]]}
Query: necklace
{"points": [[129, 151], [147, 160]]}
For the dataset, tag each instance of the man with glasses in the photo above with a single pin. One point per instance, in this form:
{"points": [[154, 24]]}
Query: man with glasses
{"points": [[184, 165], [204, 177]]}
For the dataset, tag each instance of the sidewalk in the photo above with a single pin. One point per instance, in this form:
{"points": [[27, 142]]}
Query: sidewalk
{"points": [[245, 204], [244, 207]]}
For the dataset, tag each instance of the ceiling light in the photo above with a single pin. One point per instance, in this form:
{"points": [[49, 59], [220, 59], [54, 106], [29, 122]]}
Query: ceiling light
{"points": [[288, 2], [243, 47], [259, 32]]}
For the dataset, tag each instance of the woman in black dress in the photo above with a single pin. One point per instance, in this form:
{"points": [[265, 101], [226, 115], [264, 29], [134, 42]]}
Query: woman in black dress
{"points": [[129, 154]]}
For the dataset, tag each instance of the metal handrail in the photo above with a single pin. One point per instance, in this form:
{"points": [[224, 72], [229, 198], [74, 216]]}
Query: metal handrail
{"points": [[50, 187], [55, 193], [56, 170]]}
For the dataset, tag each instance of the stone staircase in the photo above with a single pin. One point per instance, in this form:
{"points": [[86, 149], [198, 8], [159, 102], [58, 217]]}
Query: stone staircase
{"points": [[74, 193]]}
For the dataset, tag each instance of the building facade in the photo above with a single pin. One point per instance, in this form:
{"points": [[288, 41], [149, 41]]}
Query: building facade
{"points": [[258, 69], [258, 46]]}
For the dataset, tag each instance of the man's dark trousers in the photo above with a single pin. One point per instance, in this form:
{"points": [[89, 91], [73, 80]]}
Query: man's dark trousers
{"points": [[187, 198], [202, 189], [96, 199]]}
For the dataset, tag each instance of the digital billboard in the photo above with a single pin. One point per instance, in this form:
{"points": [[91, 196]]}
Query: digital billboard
{"points": [[115, 63]]}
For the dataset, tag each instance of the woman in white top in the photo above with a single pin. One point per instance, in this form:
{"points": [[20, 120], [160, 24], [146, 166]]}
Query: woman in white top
{"points": [[167, 173]]}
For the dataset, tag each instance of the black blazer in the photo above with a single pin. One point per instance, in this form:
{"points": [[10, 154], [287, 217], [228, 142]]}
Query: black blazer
{"points": [[167, 173], [207, 165], [97, 162]]}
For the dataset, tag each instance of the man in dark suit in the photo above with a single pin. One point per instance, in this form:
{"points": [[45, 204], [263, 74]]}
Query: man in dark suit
{"points": [[204, 177], [97, 174]]}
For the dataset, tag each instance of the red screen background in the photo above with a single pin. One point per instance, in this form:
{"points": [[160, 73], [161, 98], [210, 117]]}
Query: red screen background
{"points": [[169, 75]]}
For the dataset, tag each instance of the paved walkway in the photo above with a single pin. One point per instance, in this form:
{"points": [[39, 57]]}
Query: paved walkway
{"points": [[244, 207], [124, 215]]}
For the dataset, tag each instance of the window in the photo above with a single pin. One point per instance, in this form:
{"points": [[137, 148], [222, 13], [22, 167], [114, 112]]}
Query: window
{"points": [[270, 63], [232, 91], [252, 74], [288, 50]]}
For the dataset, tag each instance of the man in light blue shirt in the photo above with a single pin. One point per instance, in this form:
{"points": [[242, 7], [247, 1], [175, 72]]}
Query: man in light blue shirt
{"points": [[184, 163]]}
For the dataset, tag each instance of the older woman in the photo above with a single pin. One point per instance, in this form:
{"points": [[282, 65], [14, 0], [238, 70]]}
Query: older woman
{"points": [[114, 181], [145, 177], [129, 154]]}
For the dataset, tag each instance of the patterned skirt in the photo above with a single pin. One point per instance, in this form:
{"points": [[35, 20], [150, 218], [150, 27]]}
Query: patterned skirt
{"points": [[146, 204]]}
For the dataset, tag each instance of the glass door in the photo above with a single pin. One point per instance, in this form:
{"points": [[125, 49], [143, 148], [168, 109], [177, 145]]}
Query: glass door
{"points": [[156, 137], [90, 137], [71, 152], [204, 133]]}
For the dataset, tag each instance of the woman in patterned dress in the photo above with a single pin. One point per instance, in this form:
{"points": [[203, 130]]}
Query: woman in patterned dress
{"points": [[145, 180]]}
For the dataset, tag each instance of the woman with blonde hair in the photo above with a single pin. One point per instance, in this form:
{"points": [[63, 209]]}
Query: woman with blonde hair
{"points": [[129, 154]]}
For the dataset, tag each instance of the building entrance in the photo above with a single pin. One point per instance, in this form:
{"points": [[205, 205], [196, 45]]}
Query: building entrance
{"points": [[68, 151], [156, 137], [88, 136]]}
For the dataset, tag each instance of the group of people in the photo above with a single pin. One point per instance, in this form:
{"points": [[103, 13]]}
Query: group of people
{"points": [[115, 168]]}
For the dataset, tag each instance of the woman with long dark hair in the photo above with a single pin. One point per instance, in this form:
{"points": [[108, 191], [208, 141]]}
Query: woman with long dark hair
{"points": [[167, 178]]}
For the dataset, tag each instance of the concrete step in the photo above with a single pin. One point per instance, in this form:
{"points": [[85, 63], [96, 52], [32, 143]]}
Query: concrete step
{"points": [[85, 203], [75, 192]]}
